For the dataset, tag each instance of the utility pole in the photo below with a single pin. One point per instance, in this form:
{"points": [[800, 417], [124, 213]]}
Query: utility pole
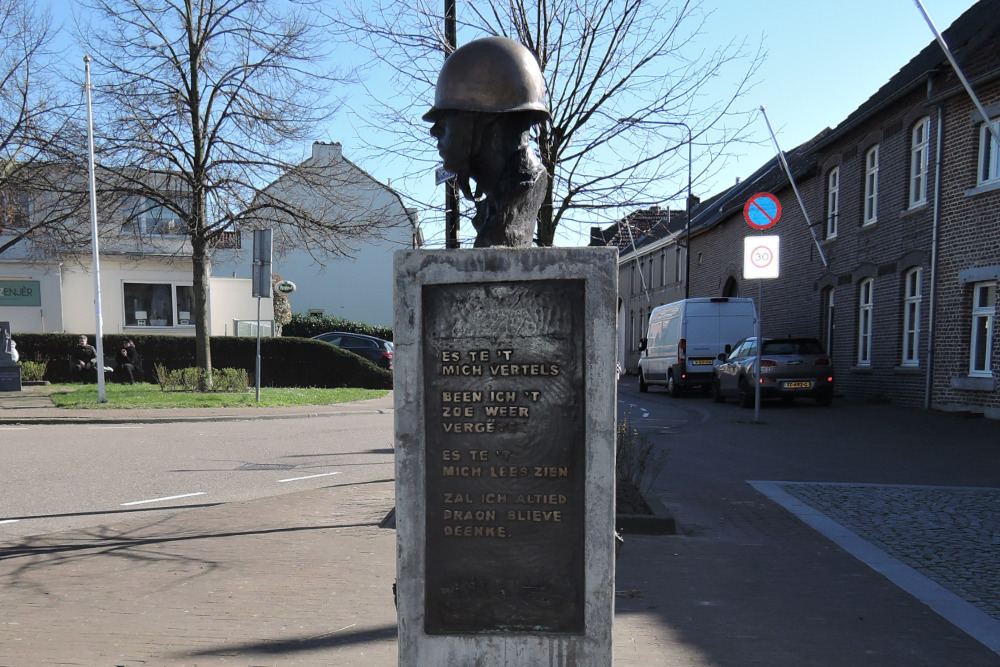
{"points": [[451, 207]]}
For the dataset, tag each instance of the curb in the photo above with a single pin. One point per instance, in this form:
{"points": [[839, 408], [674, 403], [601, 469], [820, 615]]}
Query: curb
{"points": [[10, 421], [660, 522]]}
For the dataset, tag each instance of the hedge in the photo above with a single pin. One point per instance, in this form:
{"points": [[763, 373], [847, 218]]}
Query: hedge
{"points": [[285, 361], [308, 326]]}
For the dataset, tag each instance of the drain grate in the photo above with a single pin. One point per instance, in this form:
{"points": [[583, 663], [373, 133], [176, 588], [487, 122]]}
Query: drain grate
{"points": [[266, 466]]}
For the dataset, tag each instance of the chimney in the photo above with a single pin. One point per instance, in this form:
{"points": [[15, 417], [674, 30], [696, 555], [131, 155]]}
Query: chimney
{"points": [[326, 151]]}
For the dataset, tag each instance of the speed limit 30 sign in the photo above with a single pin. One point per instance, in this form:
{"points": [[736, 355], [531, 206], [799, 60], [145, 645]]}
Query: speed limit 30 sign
{"points": [[760, 257]]}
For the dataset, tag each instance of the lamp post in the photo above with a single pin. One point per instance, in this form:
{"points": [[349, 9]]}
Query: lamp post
{"points": [[687, 208]]}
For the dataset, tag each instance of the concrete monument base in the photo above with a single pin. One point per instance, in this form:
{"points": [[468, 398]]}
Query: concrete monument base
{"points": [[505, 442]]}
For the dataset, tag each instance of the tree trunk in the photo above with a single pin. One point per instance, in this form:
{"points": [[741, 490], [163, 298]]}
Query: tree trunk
{"points": [[546, 214], [202, 271]]}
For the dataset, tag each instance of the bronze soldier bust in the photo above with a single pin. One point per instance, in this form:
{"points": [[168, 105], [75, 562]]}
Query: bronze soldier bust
{"points": [[489, 95]]}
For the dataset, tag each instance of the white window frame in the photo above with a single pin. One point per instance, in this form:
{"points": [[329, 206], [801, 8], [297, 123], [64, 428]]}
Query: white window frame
{"points": [[984, 310], [832, 202], [919, 160], [866, 291], [632, 339], [871, 186], [989, 155], [829, 303], [912, 297], [171, 315]]}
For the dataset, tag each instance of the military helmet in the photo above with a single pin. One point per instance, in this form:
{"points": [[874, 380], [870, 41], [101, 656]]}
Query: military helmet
{"points": [[492, 74]]}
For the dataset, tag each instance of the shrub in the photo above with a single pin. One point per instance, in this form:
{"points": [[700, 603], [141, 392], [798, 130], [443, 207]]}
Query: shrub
{"points": [[233, 380], [307, 326], [285, 362], [33, 371], [637, 463]]}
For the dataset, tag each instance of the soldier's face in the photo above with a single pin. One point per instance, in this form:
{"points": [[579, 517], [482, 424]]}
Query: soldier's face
{"points": [[449, 130]]}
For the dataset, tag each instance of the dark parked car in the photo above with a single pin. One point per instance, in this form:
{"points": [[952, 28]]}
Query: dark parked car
{"points": [[789, 368], [375, 350]]}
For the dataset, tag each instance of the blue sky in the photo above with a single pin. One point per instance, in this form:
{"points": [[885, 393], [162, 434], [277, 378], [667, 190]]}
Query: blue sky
{"points": [[824, 59]]}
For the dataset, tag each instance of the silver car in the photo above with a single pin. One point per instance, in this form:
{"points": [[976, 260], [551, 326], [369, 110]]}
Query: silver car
{"points": [[790, 368]]}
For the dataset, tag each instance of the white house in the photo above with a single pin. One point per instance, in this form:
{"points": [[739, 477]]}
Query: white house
{"points": [[139, 295], [356, 285], [146, 273]]}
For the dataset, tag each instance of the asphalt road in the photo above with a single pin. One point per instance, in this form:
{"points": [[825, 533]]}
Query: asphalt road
{"points": [[857, 534], [62, 477]]}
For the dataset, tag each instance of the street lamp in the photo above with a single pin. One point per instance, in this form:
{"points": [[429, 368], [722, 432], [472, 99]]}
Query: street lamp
{"points": [[687, 222]]}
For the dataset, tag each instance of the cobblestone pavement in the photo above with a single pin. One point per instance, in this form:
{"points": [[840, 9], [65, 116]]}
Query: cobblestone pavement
{"points": [[951, 535]]}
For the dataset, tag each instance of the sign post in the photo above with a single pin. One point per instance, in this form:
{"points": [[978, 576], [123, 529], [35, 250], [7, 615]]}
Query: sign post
{"points": [[760, 260], [261, 283]]}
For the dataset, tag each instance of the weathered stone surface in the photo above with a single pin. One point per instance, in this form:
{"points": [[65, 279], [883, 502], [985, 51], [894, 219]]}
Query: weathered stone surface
{"points": [[505, 415]]}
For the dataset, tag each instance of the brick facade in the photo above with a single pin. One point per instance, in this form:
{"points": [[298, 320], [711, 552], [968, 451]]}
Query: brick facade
{"points": [[895, 248]]}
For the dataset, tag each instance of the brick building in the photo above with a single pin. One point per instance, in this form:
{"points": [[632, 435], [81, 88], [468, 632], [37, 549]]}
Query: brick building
{"points": [[895, 261]]}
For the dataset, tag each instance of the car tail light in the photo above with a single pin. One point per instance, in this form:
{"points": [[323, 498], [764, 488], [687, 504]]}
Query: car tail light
{"points": [[768, 363], [681, 350], [822, 361]]}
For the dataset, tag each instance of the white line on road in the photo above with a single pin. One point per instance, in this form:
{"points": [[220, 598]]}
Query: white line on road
{"points": [[117, 426], [9, 521], [13, 428], [157, 500], [296, 479]]}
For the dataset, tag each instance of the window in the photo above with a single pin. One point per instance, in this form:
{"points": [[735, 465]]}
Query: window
{"points": [[919, 151], [984, 309], [677, 264], [146, 216], [631, 326], [158, 304], [15, 210], [871, 185], [989, 155], [827, 319], [911, 318], [832, 202], [865, 323]]}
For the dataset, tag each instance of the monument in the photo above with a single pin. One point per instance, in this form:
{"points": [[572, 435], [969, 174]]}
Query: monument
{"points": [[505, 403], [10, 372]]}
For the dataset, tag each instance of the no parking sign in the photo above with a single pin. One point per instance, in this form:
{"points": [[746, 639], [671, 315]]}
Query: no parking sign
{"points": [[760, 257]]}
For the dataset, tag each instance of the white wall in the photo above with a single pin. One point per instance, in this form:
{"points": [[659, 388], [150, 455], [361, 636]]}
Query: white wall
{"points": [[231, 299], [34, 319], [358, 287], [68, 296]]}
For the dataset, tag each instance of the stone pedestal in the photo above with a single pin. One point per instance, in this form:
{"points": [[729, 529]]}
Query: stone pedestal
{"points": [[505, 441]]}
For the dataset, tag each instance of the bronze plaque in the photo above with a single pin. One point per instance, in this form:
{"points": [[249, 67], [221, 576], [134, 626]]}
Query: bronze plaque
{"points": [[505, 458]]}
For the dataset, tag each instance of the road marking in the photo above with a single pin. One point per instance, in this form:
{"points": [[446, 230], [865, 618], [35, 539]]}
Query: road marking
{"points": [[157, 500], [117, 426], [296, 479], [9, 521], [13, 428]]}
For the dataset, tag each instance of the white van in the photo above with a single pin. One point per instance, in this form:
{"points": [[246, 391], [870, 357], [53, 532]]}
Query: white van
{"points": [[684, 339]]}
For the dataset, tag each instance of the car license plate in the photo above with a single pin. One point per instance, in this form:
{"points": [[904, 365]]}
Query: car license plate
{"points": [[701, 362], [798, 385]]}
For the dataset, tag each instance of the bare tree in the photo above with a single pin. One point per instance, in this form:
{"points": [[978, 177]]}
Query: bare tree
{"points": [[622, 77], [199, 102], [36, 136]]}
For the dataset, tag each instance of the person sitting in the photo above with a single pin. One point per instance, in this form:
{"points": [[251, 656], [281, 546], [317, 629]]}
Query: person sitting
{"points": [[127, 362], [84, 356]]}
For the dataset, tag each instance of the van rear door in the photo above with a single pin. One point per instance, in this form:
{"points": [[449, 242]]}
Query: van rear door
{"points": [[702, 335]]}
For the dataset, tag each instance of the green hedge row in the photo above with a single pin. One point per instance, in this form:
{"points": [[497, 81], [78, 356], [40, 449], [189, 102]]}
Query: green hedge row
{"points": [[308, 326], [284, 362]]}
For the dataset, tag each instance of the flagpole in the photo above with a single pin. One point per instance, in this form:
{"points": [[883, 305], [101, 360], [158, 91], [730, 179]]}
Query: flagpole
{"points": [[791, 181], [99, 333], [958, 72]]}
